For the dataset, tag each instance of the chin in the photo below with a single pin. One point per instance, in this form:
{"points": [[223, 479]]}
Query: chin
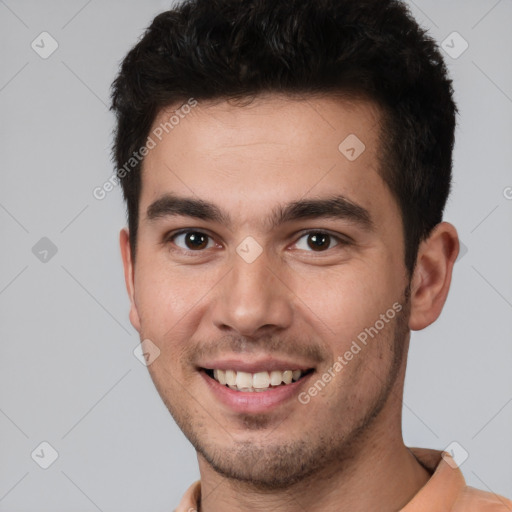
{"points": [[265, 467]]}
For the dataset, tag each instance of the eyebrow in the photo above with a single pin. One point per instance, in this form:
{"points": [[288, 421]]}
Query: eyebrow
{"points": [[334, 207]]}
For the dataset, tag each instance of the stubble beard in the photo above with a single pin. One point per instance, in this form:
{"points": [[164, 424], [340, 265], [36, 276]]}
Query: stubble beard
{"points": [[272, 466]]}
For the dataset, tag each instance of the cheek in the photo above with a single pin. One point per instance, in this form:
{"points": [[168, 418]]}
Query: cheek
{"points": [[342, 303], [163, 293]]}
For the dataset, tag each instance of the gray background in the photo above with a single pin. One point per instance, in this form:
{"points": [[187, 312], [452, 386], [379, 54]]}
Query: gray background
{"points": [[68, 375]]}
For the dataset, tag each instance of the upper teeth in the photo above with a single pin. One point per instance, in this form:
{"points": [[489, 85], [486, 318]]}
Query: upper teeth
{"points": [[244, 381]]}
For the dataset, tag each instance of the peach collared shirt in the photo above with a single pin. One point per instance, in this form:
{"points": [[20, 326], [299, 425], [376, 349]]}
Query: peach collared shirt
{"points": [[446, 491]]}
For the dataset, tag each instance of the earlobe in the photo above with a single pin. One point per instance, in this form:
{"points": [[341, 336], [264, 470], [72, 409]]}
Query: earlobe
{"points": [[129, 276], [432, 275]]}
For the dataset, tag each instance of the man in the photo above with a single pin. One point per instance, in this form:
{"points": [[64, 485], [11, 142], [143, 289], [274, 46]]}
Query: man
{"points": [[285, 167]]}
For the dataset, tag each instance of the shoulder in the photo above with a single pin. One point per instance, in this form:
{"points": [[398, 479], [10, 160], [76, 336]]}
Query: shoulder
{"points": [[190, 500], [476, 500]]}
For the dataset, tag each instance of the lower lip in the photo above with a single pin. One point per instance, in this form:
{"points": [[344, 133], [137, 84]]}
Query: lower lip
{"points": [[254, 401]]}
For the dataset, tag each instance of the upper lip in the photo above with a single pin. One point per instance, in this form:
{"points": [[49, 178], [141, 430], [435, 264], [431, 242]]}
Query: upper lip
{"points": [[253, 366]]}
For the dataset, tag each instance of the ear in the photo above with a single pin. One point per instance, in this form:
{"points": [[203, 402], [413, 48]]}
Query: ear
{"points": [[432, 275], [129, 276]]}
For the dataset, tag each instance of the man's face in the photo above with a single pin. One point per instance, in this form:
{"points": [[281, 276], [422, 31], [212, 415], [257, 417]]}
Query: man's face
{"points": [[252, 284]]}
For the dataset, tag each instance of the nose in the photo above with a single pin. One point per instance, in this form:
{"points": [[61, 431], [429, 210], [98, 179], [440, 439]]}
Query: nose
{"points": [[253, 297]]}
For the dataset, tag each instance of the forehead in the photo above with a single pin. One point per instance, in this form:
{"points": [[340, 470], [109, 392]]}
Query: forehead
{"points": [[251, 157]]}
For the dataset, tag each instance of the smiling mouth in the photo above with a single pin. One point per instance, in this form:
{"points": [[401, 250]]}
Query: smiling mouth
{"points": [[256, 382]]}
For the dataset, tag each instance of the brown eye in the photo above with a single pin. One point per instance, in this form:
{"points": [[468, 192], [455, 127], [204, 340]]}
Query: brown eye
{"points": [[317, 241], [196, 240], [192, 240]]}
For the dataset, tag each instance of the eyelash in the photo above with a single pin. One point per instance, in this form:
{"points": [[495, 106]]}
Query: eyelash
{"points": [[341, 241]]}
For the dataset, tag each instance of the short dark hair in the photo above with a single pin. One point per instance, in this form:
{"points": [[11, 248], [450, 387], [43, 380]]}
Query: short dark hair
{"points": [[237, 49]]}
